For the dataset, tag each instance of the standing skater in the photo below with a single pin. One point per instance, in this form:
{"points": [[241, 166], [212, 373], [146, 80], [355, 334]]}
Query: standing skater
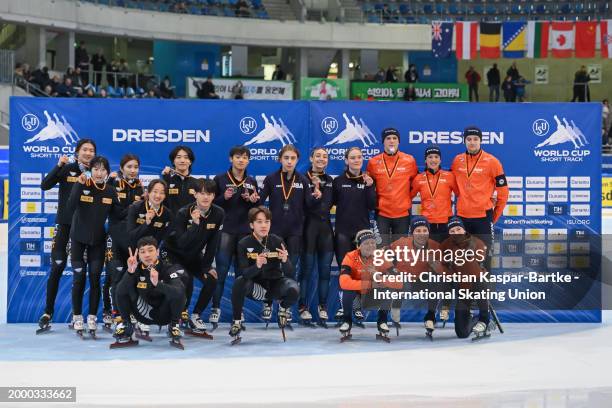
{"points": [[65, 174], [181, 185]]}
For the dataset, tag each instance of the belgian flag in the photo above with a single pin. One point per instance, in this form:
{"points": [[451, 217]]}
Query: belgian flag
{"points": [[490, 39]]}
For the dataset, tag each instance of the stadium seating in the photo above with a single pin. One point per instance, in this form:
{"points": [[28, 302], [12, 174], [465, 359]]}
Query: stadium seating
{"points": [[226, 8]]}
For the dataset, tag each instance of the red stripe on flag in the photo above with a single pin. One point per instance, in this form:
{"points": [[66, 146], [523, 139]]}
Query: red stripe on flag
{"points": [[473, 39], [544, 39], [585, 39], [603, 26], [459, 40]]}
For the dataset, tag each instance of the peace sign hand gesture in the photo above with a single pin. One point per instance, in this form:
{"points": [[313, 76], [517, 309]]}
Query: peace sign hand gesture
{"points": [[132, 261]]}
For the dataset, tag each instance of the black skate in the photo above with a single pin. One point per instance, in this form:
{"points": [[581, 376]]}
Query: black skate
{"points": [[107, 320], [175, 334], [496, 319], [339, 317], [429, 328], [444, 315], [123, 336], [322, 316], [345, 331], [44, 323], [283, 317], [480, 331], [306, 318], [383, 332], [359, 318], [213, 319], [266, 314], [235, 332]]}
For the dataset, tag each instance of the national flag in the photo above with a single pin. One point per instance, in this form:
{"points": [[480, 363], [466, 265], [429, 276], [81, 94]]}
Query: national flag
{"points": [[514, 39], [562, 39], [606, 38], [466, 39], [585, 39], [441, 38], [537, 39], [490, 37]]}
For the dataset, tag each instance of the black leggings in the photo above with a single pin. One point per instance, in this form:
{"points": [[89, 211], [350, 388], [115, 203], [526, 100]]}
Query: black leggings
{"points": [[392, 229], [294, 247], [209, 283], [116, 265], [284, 289], [168, 311], [438, 232], [226, 256], [319, 246], [59, 256], [482, 228], [351, 299], [95, 262]]}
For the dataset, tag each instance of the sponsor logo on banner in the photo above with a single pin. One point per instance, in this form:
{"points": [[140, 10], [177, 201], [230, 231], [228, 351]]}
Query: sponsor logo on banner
{"points": [[496, 248], [535, 248], [535, 262], [557, 234], [580, 247], [51, 207], [535, 234], [512, 262], [513, 210], [557, 248], [452, 137], [49, 232], [30, 207], [513, 248], [515, 181], [581, 196], [557, 196], [29, 232], [512, 234], [53, 138], [495, 262], [515, 196], [32, 261], [579, 234], [556, 262], [274, 131], [348, 130], [580, 210], [557, 209], [557, 182], [564, 141], [52, 194], [580, 262], [534, 210], [29, 246], [31, 179], [535, 182], [580, 182], [537, 196], [31, 193], [47, 247]]}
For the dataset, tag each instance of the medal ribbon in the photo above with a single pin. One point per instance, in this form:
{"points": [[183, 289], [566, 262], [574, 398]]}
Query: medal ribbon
{"points": [[285, 194]]}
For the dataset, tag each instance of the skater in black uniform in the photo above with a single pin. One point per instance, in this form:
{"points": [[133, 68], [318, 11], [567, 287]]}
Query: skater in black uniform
{"points": [[129, 190], [151, 291], [265, 269], [237, 195], [65, 174], [92, 199], [192, 244], [150, 217], [354, 195], [318, 239], [181, 185]]}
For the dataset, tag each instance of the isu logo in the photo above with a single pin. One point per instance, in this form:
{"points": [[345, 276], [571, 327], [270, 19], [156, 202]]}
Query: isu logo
{"points": [[353, 130], [274, 130], [55, 129], [565, 133]]}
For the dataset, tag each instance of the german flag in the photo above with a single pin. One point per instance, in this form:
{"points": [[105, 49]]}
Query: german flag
{"points": [[490, 39]]}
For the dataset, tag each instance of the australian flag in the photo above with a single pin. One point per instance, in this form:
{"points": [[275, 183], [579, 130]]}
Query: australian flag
{"points": [[441, 38]]}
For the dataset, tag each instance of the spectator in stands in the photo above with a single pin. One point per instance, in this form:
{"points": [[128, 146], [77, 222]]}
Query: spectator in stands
{"points": [[494, 80], [40, 77], [103, 93], [206, 90], [166, 89], [90, 93], [278, 74], [242, 9], [180, 7], [81, 60], [18, 76], [380, 75], [124, 70], [98, 62], [508, 89], [581, 85], [519, 88], [151, 94], [412, 74], [513, 72], [390, 76], [473, 78], [55, 82], [77, 79], [606, 122], [66, 89], [112, 71], [410, 93], [48, 89], [238, 91]]}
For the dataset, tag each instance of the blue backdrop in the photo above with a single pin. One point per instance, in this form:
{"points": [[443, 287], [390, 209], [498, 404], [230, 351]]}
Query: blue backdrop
{"points": [[550, 152]]}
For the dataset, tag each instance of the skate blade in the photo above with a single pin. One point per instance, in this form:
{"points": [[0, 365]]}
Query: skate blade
{"points": [[429, 334], [481, 337], [125, 344], [43, 330], [144, 337], [203, 335], [323, 324], [177, 344], [383, 337], [310, 324], [236, 341], [346, 338], [214, 327], [92, 335], [360, 325], [107, 329]]}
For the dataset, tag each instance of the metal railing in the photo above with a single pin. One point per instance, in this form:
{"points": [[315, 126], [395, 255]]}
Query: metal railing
{"points": [[120, 79], [7, 66]]}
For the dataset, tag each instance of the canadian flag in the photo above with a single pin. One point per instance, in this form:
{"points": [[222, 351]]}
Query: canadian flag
{"points": [[606, 38], [562, 34], [466, 39]]}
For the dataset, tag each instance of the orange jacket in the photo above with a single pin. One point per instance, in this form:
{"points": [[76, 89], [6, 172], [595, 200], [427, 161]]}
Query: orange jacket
{"points": [[393, 192], [476, 192], [435, 190], [423, 264], [357, 275]]}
